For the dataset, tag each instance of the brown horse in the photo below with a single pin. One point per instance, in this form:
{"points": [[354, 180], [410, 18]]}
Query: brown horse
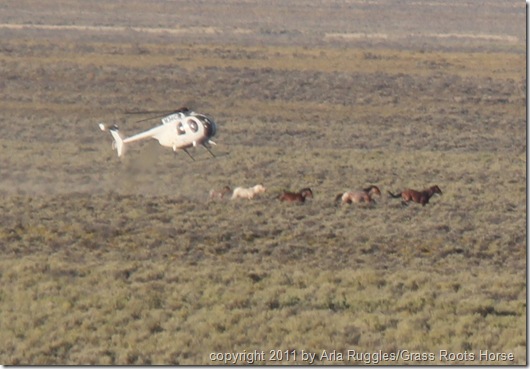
{"points": [[219, 194], [421, 197], [296, 196], [366, 195]]}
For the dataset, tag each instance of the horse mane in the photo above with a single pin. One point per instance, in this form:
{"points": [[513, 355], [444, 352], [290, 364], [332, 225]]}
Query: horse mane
{"points": [[370, 188], [435, 189]]}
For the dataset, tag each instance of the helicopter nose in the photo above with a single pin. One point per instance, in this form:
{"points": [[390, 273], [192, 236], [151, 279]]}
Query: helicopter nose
{"points": [[214, 129], [211, 128]]}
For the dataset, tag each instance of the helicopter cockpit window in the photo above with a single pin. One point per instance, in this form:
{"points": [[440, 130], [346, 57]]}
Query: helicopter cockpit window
{"points": [[193, 125], [180, 129], [208, 125]]}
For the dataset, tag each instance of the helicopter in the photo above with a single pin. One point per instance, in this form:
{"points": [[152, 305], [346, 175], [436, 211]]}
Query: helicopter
{"points": [[180, 130]]}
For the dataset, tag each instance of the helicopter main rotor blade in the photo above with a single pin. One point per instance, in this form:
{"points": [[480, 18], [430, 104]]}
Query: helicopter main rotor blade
{"points": [[181, 109], [151, 118], [142, 112], [159, 113]]}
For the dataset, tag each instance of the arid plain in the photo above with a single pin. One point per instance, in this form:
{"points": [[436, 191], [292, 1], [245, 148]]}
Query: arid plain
{"points": [[109, 261]]}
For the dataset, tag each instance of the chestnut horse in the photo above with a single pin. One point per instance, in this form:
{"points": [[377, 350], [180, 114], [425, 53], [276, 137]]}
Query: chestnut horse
{"points": [[421, 197], [248, 193], [219, 194], [296, 196], [366, 195]]}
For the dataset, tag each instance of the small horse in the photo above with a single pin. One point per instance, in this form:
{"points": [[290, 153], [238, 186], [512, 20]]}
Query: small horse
{"points": [[366, 195], [421, 197], [219, 194], [296, 196], [248, 193]]}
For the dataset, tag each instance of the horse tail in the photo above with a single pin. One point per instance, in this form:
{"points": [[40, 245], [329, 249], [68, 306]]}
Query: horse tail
{"points": [[396, 196]]}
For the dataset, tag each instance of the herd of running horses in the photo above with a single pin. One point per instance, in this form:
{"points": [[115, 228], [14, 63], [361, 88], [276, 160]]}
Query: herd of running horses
{"points": [[365, 195]]}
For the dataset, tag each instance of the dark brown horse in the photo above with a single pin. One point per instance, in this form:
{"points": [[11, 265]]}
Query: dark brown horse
{"points": [[421, 197], [296, 196]]}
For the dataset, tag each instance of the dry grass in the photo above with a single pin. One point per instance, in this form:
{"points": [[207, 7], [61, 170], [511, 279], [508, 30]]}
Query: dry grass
{"points": [[109, 261]]}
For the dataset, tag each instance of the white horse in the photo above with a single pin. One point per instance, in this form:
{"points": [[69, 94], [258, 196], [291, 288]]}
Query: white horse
{"points": [[248, 193]]}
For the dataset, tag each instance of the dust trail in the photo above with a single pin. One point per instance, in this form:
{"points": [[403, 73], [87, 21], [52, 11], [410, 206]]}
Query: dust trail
{"points": [[53, 27], [218, 31], [385, 36]]}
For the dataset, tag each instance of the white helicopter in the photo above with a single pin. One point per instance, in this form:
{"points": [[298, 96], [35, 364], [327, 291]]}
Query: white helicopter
{"points": [[180, 130]]}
